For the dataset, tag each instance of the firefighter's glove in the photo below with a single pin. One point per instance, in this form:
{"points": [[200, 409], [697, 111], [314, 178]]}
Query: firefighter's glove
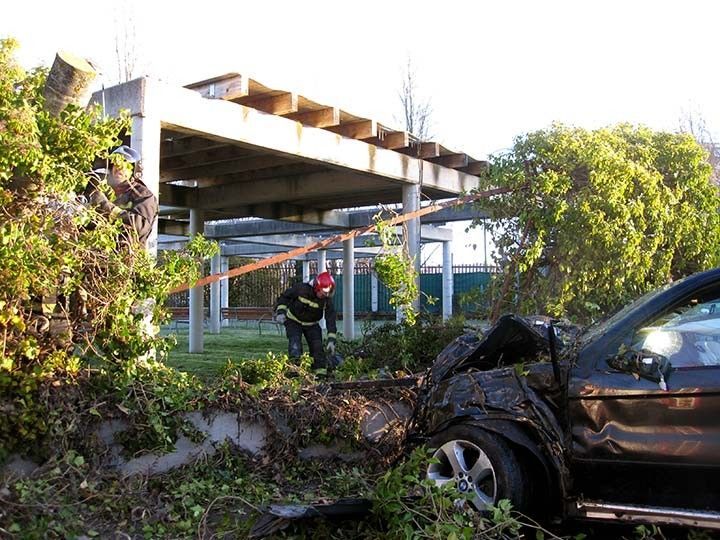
{"points": [[280, 317], [331, 346]]}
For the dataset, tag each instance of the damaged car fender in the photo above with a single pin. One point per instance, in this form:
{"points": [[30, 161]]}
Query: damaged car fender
{"points": [[501, 401]]}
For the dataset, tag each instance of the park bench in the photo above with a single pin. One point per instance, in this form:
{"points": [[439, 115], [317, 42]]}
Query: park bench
{"points": [[181, 315], [262, 315]]}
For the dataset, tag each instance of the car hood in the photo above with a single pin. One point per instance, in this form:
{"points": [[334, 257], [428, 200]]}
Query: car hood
{"points": [[513, 339]]}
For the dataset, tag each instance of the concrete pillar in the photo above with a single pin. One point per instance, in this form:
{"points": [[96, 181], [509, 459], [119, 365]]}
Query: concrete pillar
{"points": [[306, 271], [197, 309], [224, 289], [411, 203], [322, 260], [145, 139], [348, 282], [215, 296], [447, 282], [373, 292]]}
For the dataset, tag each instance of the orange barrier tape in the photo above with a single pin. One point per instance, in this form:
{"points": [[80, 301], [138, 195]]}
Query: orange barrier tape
{"points": [[280, 257]]}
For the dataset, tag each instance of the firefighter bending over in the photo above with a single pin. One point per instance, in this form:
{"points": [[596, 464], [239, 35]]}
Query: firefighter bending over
{"points": [[300, 309]]}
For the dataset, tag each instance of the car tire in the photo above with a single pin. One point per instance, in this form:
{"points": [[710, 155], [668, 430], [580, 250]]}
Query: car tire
{"points": [[481, 464]]}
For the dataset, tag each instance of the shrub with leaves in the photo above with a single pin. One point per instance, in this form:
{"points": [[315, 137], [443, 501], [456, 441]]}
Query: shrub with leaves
{"points": [[396, 269], [405, 346], [413, 507], [71, 294], [599, 217]]}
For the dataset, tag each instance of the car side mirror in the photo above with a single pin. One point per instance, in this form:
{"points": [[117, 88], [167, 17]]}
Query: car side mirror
{"points": [[643, 364]]}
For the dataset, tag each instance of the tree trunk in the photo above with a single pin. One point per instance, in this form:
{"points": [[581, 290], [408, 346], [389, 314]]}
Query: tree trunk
{"points": [[68, 82]]}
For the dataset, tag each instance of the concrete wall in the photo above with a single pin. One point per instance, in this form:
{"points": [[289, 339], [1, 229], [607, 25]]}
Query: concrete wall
{"points": [[219, 427]]}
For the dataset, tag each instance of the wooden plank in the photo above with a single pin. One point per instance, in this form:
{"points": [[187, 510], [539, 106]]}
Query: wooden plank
{"points": [[397, 139], [454, 161], [428, 150], [477, 168], [364, 129], [281, 104], [321, 118], [230, 86]]}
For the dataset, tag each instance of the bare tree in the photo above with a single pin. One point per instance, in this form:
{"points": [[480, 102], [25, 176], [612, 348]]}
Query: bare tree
{"points": [[416, 110], [694, 124], [125, 43]]}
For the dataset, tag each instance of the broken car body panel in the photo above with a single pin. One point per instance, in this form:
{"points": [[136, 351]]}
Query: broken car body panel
{"points": [[463, 388], [593, 421]]}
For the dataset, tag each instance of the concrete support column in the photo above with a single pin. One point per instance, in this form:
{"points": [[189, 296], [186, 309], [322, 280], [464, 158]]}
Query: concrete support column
{"points": [[411, 203], [348, 282], [215, 296], [197, 309], [224, 289], [373, 292], [322, 260], [447, 282], [145, 139], [306, 271]]}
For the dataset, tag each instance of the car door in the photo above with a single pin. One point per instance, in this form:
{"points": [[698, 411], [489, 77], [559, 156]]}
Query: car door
{"points": [[653, 440]]}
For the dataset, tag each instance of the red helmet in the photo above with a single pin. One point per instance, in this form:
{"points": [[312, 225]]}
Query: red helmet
{"points": [[324, 285]]}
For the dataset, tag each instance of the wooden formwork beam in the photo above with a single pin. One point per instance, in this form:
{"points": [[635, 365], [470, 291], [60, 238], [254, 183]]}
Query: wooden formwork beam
{"points": [[364, 129], [321, 118], [281, 104], [229, 87]]}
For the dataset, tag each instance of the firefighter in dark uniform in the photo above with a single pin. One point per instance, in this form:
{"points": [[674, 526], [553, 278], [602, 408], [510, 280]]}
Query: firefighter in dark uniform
{"points": [[134, 203], [300, 308]]}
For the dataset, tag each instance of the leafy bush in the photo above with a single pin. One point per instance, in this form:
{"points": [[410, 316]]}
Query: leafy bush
{"points": [[72, 296], [405, 346], [599, 217], [270, 371]]}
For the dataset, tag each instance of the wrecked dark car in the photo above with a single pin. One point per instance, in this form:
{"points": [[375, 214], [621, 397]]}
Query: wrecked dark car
{"points": [[620, 422]]}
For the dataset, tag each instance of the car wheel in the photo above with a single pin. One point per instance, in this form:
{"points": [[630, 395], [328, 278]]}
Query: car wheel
{"points": [[480, 464]]}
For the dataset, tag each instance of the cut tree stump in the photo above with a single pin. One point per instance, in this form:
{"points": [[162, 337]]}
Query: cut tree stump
{"points": [[68, 82]]}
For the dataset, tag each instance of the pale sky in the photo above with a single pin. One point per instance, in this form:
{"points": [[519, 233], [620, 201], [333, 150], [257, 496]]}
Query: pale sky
{"points": [[492, 69]]}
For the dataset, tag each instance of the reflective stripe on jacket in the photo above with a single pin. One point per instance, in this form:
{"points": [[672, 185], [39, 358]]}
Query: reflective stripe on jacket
{"points": [[300, 304]]}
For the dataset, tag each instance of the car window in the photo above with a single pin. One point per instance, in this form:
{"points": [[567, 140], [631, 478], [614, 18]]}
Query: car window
{"points": [[688, 335]]}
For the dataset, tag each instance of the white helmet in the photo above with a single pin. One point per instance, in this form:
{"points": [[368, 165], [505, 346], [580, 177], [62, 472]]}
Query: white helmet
{"points": [[130, 154]]}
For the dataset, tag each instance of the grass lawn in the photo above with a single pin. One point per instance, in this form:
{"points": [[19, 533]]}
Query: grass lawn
{"points": [[230, 344]]}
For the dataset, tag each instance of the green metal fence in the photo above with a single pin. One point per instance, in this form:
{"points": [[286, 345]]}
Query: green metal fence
{"points": [[466, 279]]}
